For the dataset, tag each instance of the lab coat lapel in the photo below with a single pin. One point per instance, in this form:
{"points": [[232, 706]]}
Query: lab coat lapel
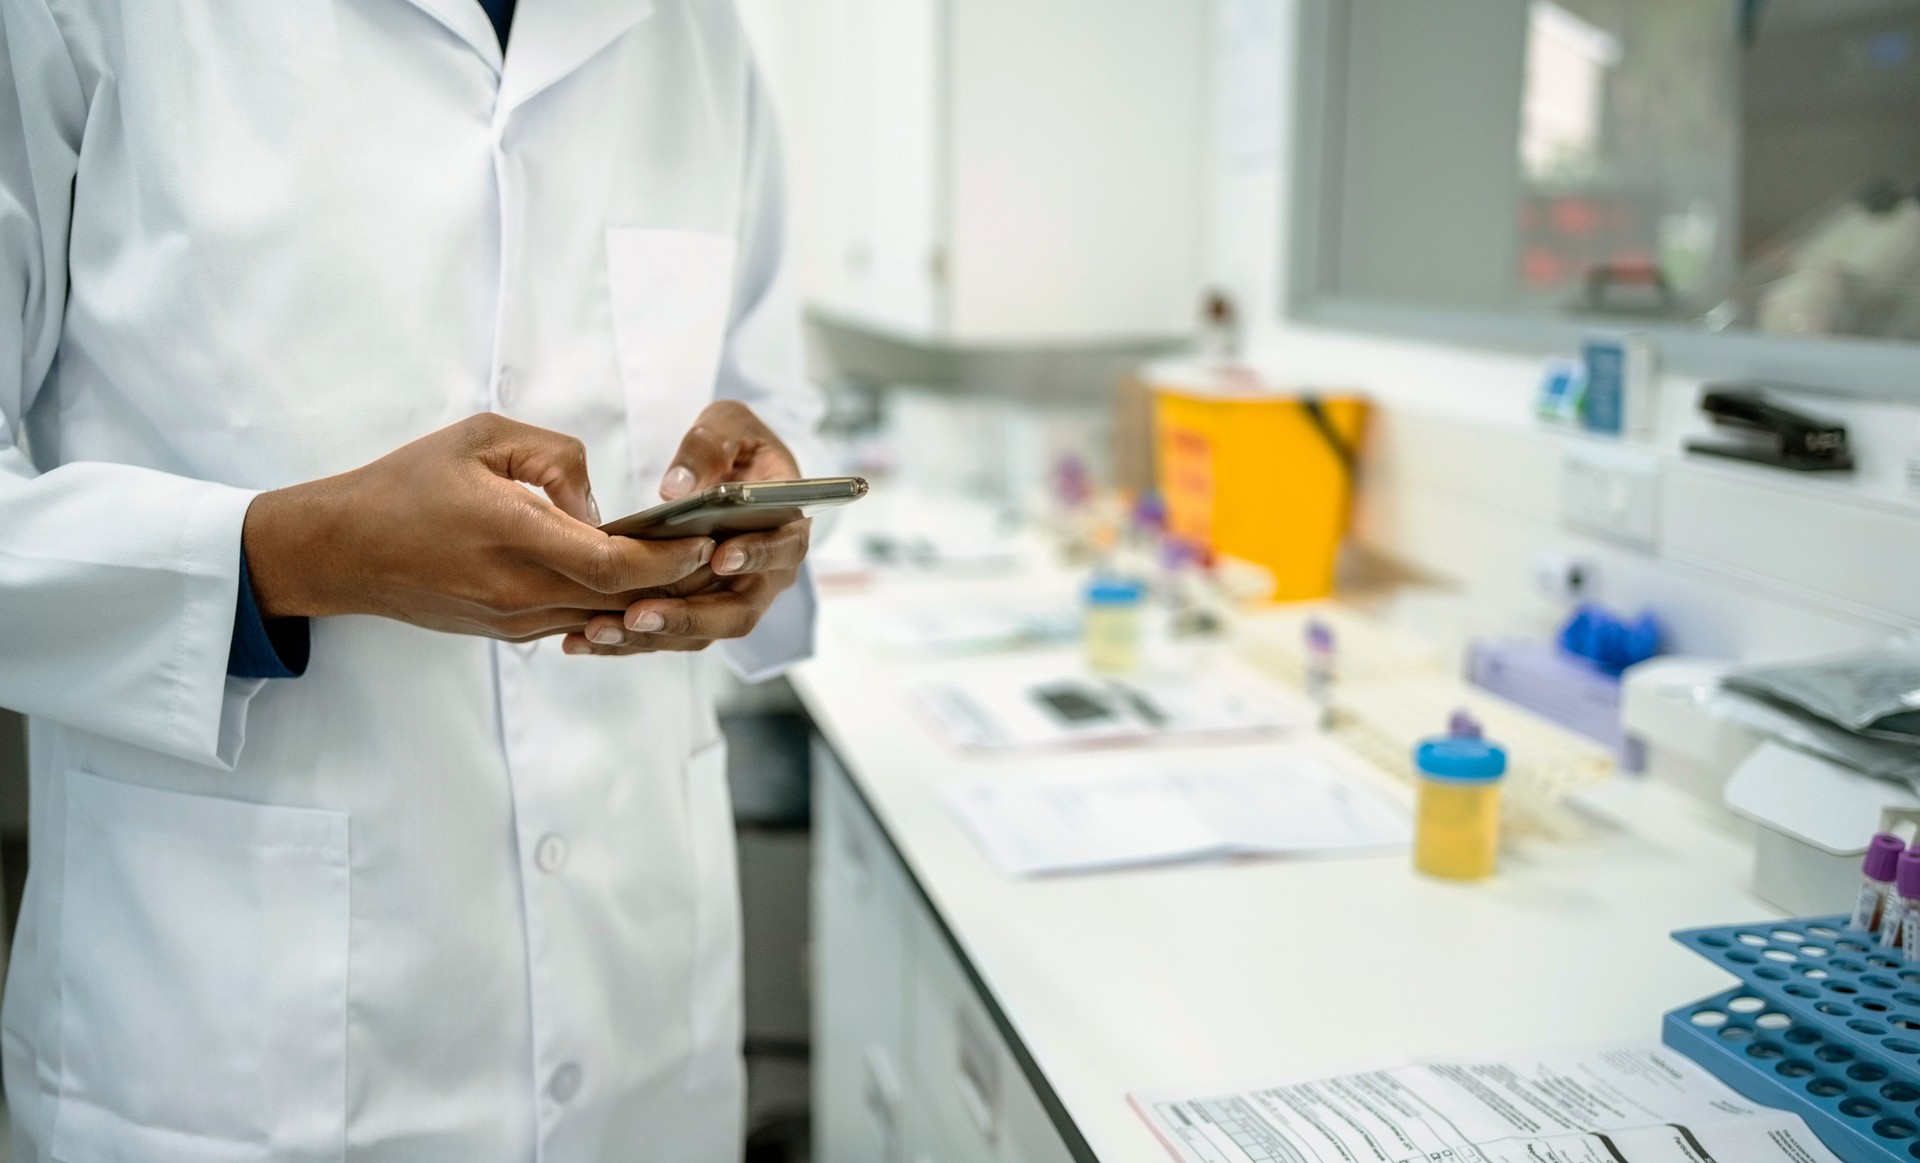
{"points": [[552, 38], [468, 21]]}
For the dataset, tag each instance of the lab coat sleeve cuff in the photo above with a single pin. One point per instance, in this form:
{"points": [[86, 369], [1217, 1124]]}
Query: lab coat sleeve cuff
{"points": [[120, 585], [783, 638], [206, 722]]}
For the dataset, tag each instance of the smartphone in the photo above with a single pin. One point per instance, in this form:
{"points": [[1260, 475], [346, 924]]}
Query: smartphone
{"points": [[738, 507]]}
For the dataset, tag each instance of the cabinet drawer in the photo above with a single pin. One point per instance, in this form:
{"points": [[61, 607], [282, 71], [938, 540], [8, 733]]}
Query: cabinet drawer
{"points": [[909, 1066], [964, 1081], [1030, 1134], [960, 1067], [859, 962]]}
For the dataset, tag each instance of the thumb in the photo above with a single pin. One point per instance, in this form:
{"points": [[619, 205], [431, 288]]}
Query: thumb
{"points": [[551, 461]]}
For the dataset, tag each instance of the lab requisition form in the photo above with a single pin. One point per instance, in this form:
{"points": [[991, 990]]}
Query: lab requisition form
{"points": [[1636, 1104]]}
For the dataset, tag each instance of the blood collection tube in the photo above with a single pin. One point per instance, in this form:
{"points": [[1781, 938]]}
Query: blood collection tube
{"points": [[1907, 889], [1876, 888], [1321, 664], [1900, 902]]}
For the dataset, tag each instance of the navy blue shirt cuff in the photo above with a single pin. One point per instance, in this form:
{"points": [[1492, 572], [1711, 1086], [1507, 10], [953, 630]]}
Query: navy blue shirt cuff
{"points": [[262, 648]]}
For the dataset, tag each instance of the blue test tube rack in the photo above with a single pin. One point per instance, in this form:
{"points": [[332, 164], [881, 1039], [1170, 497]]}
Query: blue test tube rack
{"points": [[1825, 1023]]}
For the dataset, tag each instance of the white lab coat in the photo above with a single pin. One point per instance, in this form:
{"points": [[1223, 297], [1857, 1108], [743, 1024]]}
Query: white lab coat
{"points": [[441, 899]]}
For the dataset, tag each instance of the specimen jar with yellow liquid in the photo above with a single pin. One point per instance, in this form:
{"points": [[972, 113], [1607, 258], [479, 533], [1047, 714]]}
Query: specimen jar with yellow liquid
{"points": [[1457, 824]]}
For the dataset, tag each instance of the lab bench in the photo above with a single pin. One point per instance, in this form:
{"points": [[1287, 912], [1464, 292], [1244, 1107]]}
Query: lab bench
{"points": [[960, 1015]]}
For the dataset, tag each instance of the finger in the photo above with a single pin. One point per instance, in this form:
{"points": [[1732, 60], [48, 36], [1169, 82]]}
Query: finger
{"points": [[699, 581], [613, 565], [725, 432], [609, 630], [551, 461], [648, 644], [716, 615], [771, 461], [537, 624], [565, 597], [782, 548]]}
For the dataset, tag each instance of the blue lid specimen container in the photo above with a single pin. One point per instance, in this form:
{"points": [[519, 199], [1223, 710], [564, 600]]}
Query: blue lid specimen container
{"points": [[1115, 591], [1461, 759]]}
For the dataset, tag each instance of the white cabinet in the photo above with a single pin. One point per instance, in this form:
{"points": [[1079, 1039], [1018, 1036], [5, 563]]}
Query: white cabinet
{"points": [[909, 1064], [994, 171], [859, 950], [968, 1092]]}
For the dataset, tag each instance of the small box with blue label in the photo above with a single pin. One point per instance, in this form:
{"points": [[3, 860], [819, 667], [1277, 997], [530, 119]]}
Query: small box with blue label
{"points": [[1618, 400]]}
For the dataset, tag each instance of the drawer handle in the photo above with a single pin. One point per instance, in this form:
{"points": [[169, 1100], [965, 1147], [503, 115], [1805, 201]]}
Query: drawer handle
{"points": [[977, 1076], [859, 864], [880, 1094], [855, 851]]}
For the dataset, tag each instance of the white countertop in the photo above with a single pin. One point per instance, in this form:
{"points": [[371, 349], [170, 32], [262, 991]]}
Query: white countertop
{"points": [[1213, 974]]}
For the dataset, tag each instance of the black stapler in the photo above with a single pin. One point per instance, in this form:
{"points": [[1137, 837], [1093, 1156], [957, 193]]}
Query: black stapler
{"points": [[1761, 431]]}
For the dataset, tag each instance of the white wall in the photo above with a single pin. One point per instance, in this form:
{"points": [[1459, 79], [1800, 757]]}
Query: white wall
{"points": [[1750, 563], [1461, 483]]}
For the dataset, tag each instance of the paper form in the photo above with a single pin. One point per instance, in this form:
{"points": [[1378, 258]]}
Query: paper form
{"points": [[1041, 703], [1287, 802], [1629, 1104], [944, 628]]}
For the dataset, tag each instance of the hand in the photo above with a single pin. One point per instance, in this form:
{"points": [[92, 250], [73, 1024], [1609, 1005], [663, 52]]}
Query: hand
{"points": [[442, 533], [727, 443]]}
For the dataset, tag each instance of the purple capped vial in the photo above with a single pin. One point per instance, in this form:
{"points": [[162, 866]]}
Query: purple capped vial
{"points": [[1877, 870], [1900, 921], [1320, 662]]}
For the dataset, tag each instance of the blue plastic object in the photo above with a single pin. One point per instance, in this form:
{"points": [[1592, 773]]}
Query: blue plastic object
{"points": [[1115, 591], [1460, 759], [1609, 643], [1825, 1024]]}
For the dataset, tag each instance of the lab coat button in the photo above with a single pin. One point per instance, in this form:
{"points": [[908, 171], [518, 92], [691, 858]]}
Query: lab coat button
{"points": [[551, 853], [506, 389], [565, 1083]]}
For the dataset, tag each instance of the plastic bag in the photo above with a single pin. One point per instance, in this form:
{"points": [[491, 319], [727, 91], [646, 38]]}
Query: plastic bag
{"points": [[1874, 693]]}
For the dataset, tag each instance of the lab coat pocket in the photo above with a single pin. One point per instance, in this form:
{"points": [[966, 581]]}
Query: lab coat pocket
{"points": [[672, 297], [715, 994], [203, 972]]}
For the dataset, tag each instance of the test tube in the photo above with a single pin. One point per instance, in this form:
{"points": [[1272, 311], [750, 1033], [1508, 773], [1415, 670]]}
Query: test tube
{"points": [[1320, 662], [1907, 892], [1876, 887], [1900, 900]]}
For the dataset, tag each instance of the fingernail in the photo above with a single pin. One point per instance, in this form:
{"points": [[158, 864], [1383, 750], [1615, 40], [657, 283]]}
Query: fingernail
{"points": [[574, 647], [648, 622], [593, 509], [604, 636], [706, 551], [732, 559], [678, 482]]}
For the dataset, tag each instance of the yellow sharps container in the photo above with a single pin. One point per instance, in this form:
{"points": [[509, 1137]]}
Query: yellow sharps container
{"points": [[1260, 475]]}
